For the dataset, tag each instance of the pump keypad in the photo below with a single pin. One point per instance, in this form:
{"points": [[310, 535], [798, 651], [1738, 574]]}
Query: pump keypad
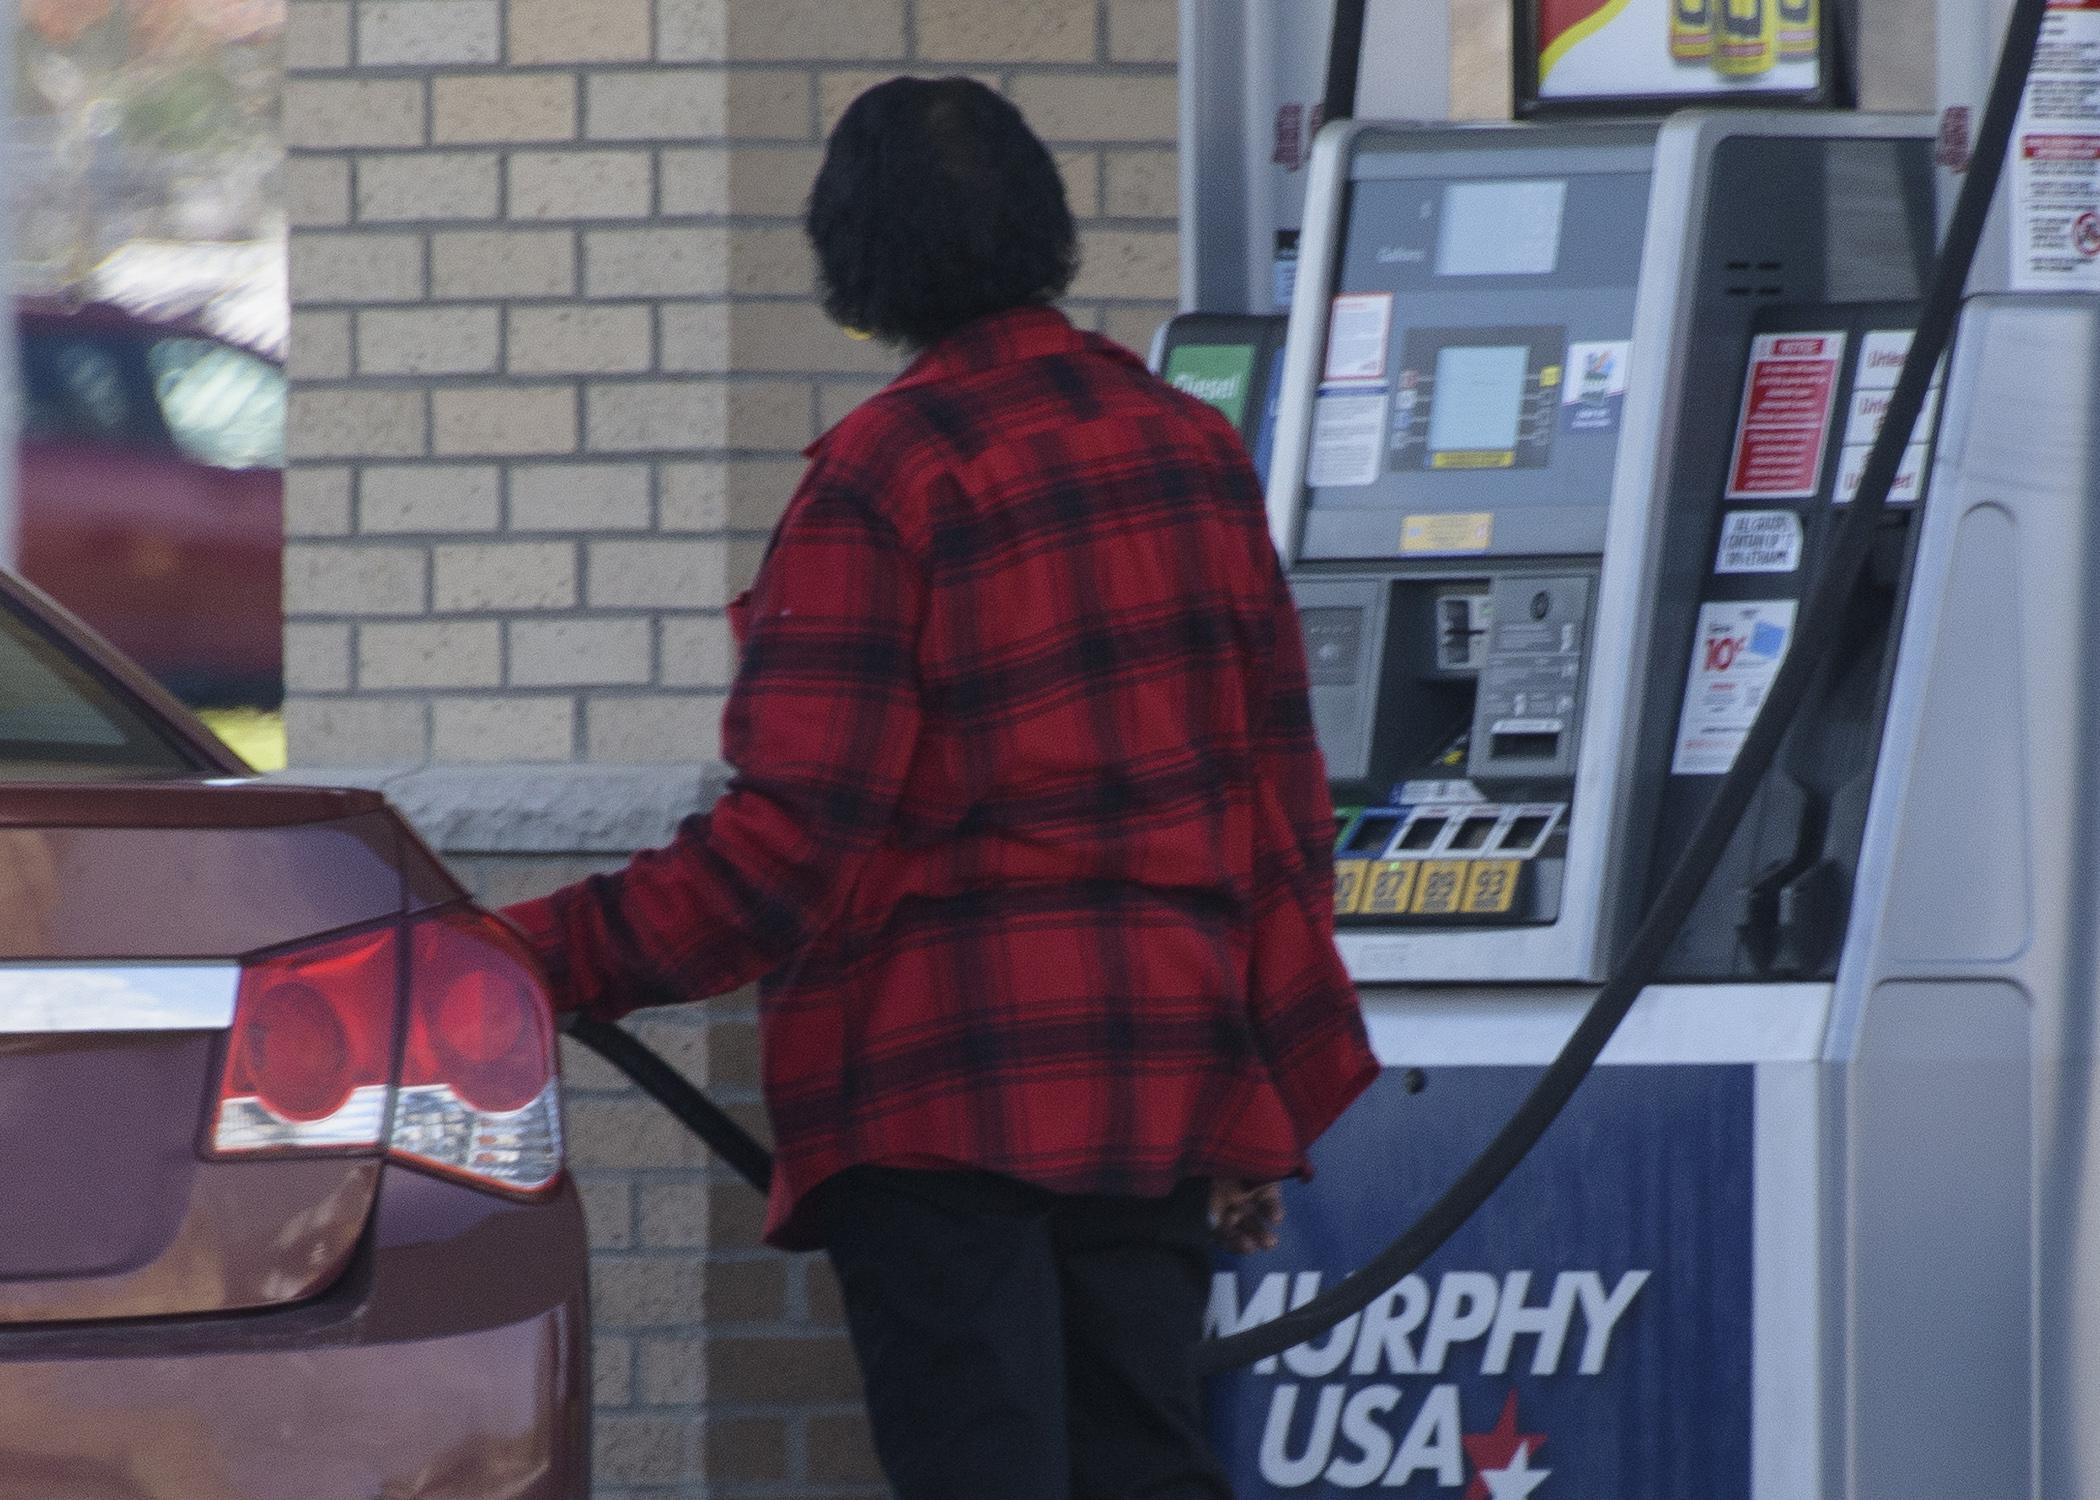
{"points": [[1349, 877], [1391, 892], [1491, 887], [1442, 886]]}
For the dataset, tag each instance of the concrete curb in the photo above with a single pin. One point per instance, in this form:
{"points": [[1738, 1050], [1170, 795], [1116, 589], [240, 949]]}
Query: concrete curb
{"points": [[534, 809]]}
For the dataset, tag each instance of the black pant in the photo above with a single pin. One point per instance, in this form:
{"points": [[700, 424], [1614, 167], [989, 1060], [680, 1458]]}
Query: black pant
{"points": [[1020, 1345]]}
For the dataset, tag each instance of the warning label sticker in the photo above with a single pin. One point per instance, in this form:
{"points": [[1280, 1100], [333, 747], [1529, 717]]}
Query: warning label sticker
{"points": [[2056, 157], [1348, 438], [1759, 541], [1359, 334], [1736, 653], [1788, 404], [1446, 535]]}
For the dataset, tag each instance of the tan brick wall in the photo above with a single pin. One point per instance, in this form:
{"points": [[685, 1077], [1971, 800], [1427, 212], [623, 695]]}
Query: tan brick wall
{"points": [[555, 358], [555, 346]]}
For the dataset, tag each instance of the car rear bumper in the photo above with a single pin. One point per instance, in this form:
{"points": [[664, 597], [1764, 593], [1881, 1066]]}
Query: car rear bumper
{"points": [[451, 1362]]}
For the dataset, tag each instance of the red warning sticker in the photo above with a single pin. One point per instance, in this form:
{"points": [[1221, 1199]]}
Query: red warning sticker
{"points": [[1788, 403]]}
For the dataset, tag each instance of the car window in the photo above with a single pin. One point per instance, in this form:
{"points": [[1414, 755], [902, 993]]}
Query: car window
{"points": [[78, 388], [60, 721], [225, 406]]}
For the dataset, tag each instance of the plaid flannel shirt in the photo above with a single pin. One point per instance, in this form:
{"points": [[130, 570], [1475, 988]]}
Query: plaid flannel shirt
{"points": [[1029, 838]]}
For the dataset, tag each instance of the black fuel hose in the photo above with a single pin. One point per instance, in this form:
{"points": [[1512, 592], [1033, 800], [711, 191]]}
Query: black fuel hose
{"points": [[668, 1087], [1816, 636]]}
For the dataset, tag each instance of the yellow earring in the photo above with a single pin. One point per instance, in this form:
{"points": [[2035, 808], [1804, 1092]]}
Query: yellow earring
{"points": [[859, 335]]}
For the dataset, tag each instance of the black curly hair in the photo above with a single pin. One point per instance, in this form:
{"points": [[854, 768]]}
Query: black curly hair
{"points": [[937, 205]]}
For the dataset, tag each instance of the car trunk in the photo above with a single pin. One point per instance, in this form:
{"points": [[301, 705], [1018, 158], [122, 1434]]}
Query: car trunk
{"points": [[124, 914]]}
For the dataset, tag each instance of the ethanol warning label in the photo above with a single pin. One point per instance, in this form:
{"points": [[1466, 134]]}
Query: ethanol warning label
{"points": [[1759, 541]]}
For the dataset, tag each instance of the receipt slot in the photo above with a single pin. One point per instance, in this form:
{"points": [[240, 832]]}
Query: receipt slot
{"points": [[1568, 417]]}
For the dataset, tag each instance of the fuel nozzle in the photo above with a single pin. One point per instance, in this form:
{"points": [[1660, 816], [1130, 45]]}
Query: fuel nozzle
{"points": [[1462, 627]]}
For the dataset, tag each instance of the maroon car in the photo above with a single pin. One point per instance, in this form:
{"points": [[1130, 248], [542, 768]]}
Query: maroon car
{"points": [[280, 1127], [152, 480]]}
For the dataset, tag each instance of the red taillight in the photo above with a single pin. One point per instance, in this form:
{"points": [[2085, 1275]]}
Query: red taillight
{"points": [[310, 1062], [297, 1051], [312, 1048], [479, 1096], [480, 1021]]}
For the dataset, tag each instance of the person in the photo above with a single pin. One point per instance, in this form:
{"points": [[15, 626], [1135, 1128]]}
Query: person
{"points": [[1028, 843]]}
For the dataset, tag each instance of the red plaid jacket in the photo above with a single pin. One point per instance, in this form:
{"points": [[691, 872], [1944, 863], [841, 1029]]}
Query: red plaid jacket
{"points": [[1029, 839]]}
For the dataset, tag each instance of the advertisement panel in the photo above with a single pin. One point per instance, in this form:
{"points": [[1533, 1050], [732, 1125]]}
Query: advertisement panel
{"points": [[1627, 55], [1585, 1337]]}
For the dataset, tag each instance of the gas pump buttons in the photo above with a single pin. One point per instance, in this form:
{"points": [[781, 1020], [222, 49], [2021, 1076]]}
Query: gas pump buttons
{"points": [[1455, 860]]}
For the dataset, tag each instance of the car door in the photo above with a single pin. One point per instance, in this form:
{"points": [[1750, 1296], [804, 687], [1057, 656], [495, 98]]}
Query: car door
{"points": [[224, 410], [152, 499]]}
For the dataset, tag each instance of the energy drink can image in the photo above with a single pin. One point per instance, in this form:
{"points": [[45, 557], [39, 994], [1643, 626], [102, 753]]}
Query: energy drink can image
{"points": [[1746, 38], [1692, 29], [1800, 28]]}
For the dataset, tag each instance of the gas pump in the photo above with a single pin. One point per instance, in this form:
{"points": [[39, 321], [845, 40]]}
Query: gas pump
{"points": [[1571, 415], [1566, 412]]}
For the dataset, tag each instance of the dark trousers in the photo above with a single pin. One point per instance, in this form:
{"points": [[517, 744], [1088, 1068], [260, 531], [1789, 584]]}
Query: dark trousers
{"points": [[1021, 1345]]}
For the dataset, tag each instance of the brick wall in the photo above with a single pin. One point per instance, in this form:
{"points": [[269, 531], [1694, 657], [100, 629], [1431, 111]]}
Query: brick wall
{"points": [[554, 343], [554, 359]]}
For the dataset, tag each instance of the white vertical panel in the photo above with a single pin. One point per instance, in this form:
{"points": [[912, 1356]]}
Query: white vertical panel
{"points": [[1788, 1319]]}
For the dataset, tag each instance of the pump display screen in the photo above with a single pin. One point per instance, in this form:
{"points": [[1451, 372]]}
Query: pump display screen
{"points": [[1501, 228], [1478, 353], [1464, 404], [1482, 407]]}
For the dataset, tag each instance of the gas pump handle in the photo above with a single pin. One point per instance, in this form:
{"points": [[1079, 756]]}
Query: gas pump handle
{"points": [[1819, 633], [1793, 918]]}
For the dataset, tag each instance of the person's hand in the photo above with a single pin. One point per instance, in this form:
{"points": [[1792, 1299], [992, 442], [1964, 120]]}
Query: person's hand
{"points": [[1245, 1215]]}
